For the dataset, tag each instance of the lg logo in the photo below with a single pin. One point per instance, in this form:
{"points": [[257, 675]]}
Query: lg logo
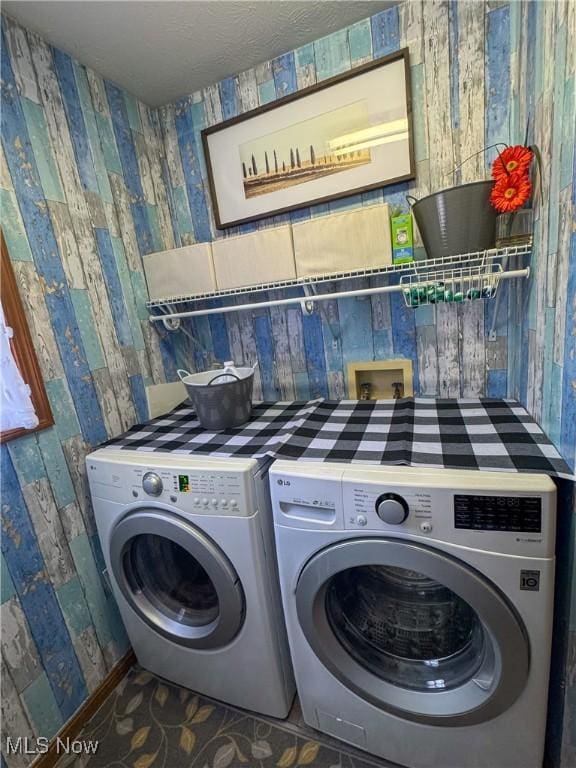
{"points": [[283, 482]]}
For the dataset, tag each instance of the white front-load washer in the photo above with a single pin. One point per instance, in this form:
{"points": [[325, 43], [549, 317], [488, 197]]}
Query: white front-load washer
{"points": [[189, 547], [419, 608]]}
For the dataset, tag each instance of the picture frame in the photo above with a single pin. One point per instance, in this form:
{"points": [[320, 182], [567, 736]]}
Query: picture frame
{"points": [[345, 135], [22, 348]]}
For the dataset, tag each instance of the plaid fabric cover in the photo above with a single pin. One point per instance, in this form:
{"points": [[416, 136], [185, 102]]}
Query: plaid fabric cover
{"points": [[180, 432], [485, 434], [479, 433]]}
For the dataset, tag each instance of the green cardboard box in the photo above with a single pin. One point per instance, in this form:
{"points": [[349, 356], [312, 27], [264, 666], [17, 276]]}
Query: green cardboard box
{"points": [[402, 239]]}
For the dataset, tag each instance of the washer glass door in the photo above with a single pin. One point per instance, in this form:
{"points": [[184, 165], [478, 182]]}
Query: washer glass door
{"points": [[406, 628], [413, 630], [176, 578]]}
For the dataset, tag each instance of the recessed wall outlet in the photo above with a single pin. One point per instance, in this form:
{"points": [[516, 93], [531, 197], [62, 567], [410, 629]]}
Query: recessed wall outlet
{"points": [[380, 379]]}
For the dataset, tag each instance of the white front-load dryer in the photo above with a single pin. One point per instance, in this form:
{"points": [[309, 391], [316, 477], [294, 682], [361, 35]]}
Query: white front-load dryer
{"points": [[189, 548], [419, 608]]}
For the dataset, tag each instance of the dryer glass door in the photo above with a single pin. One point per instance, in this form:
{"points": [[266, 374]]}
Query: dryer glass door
{"points": [[172, 579], [413, 630], [176, 578]]}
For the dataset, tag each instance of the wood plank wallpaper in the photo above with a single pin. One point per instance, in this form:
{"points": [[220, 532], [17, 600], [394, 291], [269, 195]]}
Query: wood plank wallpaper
{"points": [[82, 198], [91, 180], [478, 77]]}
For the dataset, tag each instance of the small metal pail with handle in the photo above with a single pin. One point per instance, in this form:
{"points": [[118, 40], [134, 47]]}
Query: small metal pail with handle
{"points": [[456, 220], [221, 399]]}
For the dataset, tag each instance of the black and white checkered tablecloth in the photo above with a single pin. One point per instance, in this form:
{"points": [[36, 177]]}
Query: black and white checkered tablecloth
{"points": [[180, 432], [480, 433], [485, 434]]}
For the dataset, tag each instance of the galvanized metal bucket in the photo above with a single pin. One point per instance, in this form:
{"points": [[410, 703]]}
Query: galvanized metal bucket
{"points": [[221, 399], [456, 220]]}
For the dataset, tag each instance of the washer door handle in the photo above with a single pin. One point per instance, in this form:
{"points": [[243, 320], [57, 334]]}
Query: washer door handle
{"points": [[485, 683]]}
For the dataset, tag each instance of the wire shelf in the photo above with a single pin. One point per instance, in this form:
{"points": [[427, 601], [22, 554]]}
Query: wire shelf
{"points": [[411, 271], [455, 285]]}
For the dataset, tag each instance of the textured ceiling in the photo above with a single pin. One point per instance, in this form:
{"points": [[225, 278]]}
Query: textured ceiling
{"points": [[165, 49]]}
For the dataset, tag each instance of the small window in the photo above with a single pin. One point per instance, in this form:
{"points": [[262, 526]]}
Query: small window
{"points": [[22, 349]]}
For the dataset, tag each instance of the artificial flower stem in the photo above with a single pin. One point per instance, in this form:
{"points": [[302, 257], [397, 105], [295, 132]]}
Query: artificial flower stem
{"points": [[500, 158]]}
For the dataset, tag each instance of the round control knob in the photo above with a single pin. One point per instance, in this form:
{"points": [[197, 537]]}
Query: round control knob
{"points": [[152, 484], [391, 508], [361, 520]]}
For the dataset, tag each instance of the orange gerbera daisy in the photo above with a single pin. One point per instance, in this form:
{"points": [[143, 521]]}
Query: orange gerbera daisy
{"points": [[512, 160], [510, 192]]}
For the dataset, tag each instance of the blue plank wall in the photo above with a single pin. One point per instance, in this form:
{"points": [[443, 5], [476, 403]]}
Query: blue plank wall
{"points": [[481, 73], [474, 83], [82, 198], [91, 180]]}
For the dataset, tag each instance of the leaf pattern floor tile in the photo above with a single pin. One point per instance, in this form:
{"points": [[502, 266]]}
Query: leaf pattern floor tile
{"points": [[149, 723]]}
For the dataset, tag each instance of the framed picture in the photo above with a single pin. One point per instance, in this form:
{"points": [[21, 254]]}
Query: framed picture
{"points": [[348, 134], [22, 348]]}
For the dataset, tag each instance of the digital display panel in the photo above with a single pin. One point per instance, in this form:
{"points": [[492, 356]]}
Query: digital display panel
{"points": [[522, 514], [183, 483]]}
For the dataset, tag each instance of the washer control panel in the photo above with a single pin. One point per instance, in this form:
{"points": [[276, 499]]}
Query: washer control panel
{"points": [[392, 508], [377, 507], [522, 514], [511, 521], [496, 512]]}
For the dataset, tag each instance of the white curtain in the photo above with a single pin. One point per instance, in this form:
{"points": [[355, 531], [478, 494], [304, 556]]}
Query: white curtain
{"points": [[16, 409]]}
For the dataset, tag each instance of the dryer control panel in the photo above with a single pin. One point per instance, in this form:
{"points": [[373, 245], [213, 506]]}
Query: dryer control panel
{"points": [[191, 489], [199, 490]]}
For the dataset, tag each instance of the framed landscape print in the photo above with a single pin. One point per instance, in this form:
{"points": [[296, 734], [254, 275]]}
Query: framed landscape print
{"points": [[345, 135]]}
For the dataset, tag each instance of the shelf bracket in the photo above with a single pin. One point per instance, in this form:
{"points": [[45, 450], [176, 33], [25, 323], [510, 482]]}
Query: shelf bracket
{"points": [[307, 305], [171, 323], [492, 335]]}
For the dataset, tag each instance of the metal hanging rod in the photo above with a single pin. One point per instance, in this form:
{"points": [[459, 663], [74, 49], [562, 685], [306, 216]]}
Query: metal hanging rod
{"points": [[170, 316]]}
